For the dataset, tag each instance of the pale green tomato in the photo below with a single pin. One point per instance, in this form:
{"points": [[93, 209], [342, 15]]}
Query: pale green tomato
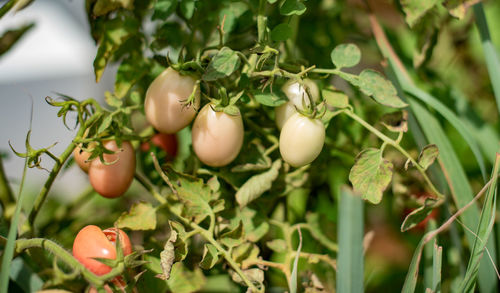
{"points": [[295, 93], [301, 140], [164, 101], [217, 137]]}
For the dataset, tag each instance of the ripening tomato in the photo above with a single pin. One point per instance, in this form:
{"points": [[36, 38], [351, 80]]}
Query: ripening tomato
{"points": [[217, 137], [113, 180], [93, 242], [167, 142], [164, 101], [296, 93], [301, 140], [81, 157]]}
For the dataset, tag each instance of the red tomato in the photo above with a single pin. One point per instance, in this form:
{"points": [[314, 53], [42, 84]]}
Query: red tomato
{"points": [[93, 242], [167, 142], [113, 180]]}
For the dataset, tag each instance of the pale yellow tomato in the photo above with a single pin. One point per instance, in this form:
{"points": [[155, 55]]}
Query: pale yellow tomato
{"points": [[113, 180], [217, 137], [296, 93], [301, 140], [164, 105]]}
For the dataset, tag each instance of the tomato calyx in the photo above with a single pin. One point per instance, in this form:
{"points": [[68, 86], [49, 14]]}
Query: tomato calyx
{"points": [[226, 104]]}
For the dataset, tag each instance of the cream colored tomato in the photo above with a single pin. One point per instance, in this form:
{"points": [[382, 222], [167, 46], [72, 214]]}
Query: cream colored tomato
{"points": [[301, 140], [164, 101], [217, 137], [113, 180], [296, 93]]}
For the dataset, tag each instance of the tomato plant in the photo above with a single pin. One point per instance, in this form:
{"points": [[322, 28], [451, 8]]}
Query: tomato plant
{"points": [[274, 139]]}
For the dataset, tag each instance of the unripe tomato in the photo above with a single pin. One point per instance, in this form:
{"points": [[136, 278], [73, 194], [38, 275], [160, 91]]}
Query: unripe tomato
{"points": [[81, 159], [296, 93], [164, 101], [217, 137], [92, 242], [113, 180], [301, 140], [167, 142]]}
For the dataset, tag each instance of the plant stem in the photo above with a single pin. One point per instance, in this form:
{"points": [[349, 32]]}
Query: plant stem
{"points": [[66, 257], [40, 199], [261, 21], [387, 140]]}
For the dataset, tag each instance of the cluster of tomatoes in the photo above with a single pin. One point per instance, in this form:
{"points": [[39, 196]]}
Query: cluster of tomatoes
{"points": [[217, 138]]}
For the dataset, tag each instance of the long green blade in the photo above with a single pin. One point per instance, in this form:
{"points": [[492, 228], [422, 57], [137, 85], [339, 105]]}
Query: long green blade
{"points": [[350, 257], [490, 53], [483, 232]]}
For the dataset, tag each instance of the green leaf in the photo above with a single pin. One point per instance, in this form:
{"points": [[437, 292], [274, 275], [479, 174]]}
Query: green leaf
{"points": [[187, 8], [371, 174], [223, 64], [350, 237], [210, 256], [415, 9], [281, 32], [130, 71], [458, 8], [428, 155], [271, 1], [373, 84], [24, 276], [252, 158], [257, 185], [270, 98], [254, 224], [180, 244], [10, 37], [418, 215], [182, 280], [412, 275], [396, 121], [102, 7], [483, 231], [142, 216], [335, 99], [197, 197], [164, 8], [277, 245], [232, 110], [234, 237], [112, 100], [116, 32], [345, 55], [255, 276], [292, 7]]}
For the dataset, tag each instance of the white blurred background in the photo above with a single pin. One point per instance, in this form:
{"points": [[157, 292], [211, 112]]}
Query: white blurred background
{"points": [[54, 56]]}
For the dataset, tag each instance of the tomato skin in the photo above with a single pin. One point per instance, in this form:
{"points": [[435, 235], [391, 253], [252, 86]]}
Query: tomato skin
{"points": [[167, 142], [113, 180], [81, 157], [92, 242], [163, 105], [301, 140], [295, 93], [217, 137]]}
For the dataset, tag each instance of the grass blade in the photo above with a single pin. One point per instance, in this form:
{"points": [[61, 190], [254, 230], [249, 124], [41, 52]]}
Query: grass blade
{"points": [[490, 53], [436, 267], [293, 279], [483, 232], [449, 162], [429, 258], [350, 269]]}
